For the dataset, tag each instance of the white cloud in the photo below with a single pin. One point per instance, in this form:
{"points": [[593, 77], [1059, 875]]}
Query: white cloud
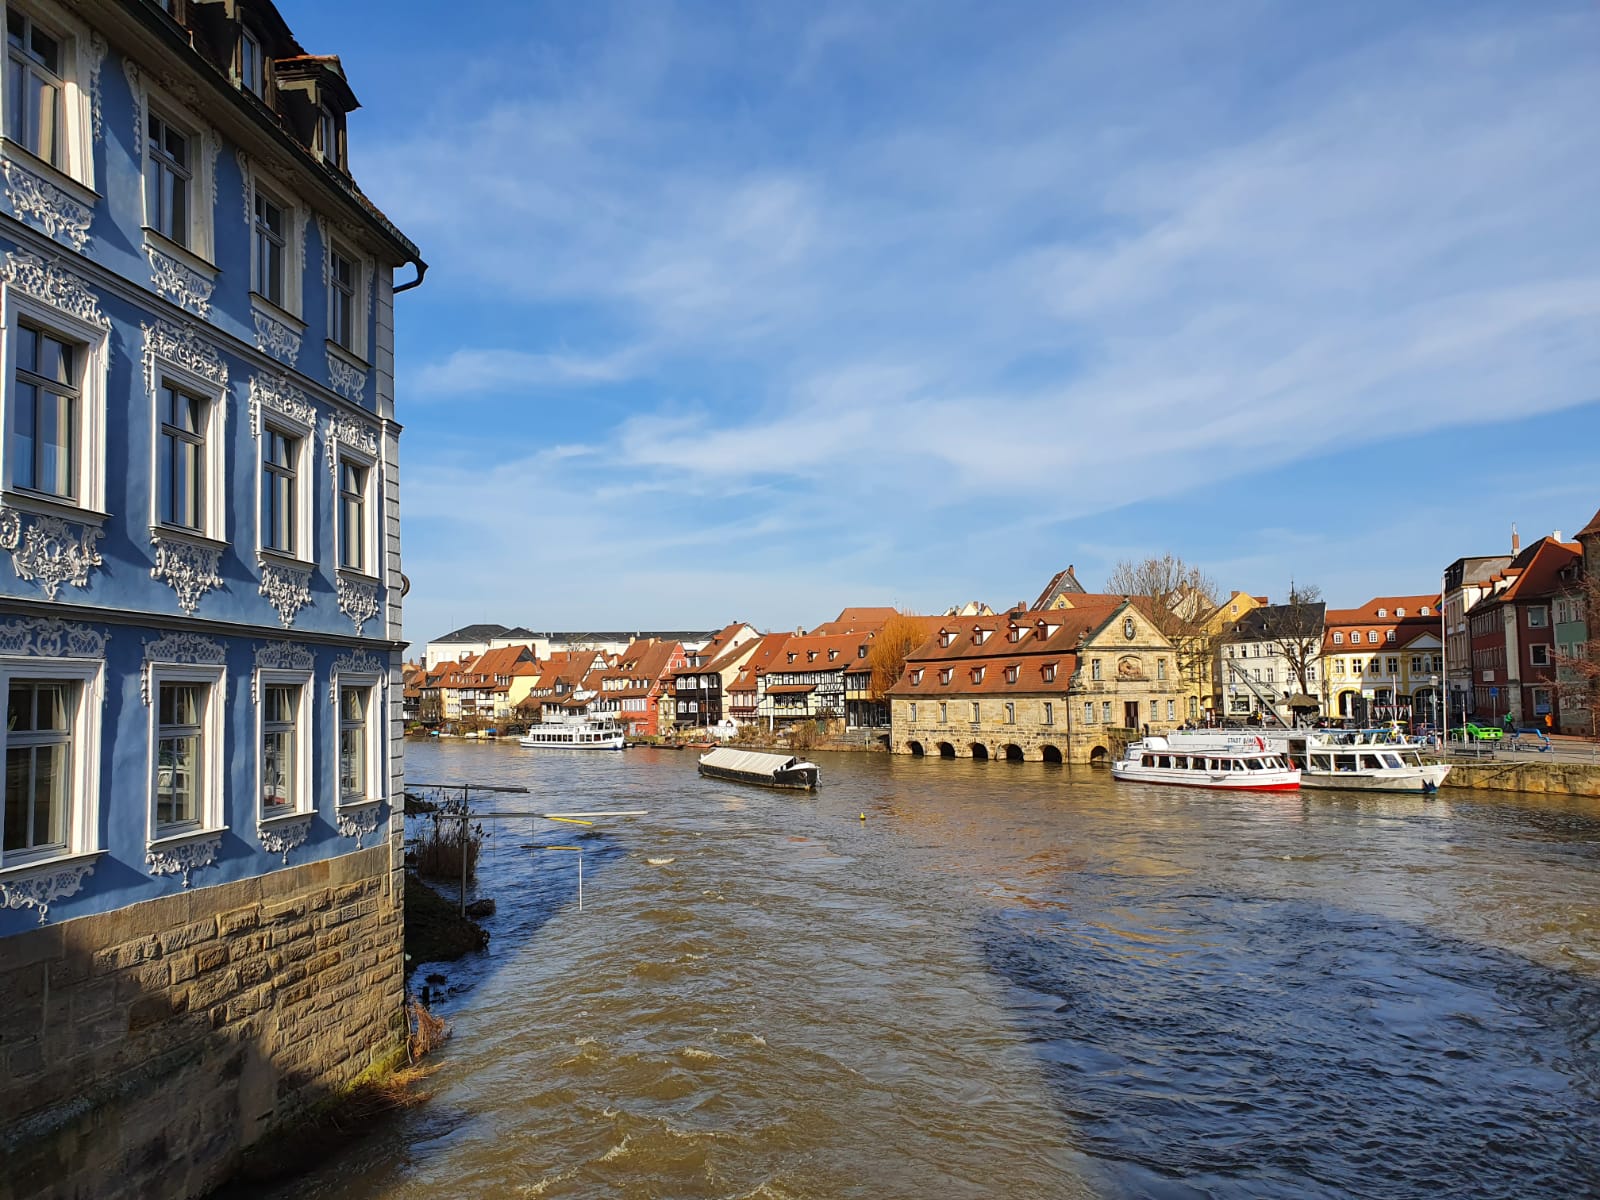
{"points": [[1062, 277]]}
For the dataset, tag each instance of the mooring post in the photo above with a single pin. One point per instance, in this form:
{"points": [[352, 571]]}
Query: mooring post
{"points": [[463, 852]]}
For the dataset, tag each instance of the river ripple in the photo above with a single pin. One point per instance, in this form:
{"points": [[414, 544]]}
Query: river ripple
{"points": [[1009, 980]]}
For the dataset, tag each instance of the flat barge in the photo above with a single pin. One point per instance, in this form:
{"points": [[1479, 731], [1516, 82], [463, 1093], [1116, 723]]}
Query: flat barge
{"points": [[763, 770]]}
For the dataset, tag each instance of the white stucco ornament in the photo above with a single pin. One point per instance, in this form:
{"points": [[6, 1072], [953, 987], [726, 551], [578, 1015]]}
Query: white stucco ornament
{"points": [[49, 550]]}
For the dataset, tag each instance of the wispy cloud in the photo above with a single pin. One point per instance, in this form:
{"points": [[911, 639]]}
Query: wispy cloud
{"points": [[848, 260]]}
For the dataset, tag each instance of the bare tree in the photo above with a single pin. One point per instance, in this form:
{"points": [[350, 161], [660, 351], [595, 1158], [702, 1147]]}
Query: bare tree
{"points": [[899, 636], [1296, 627], [1183, 599]]}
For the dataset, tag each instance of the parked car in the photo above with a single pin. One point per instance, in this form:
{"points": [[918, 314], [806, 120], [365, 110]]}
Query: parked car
{"points": [[1471, 732]]}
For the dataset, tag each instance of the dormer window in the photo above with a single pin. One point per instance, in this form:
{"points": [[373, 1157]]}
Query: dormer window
{"points": [[977, 674], [980, 636], [1011, 674], [1014, 634], [947, 637], [946, 674], [811, 656], [1399, 612], [1372, 636], [1424, 610], [793, 655], [1383, 612], [832, 654], [1338, 638], [252, 66], [1389, 636], [1049, 672], [328, 140], [916, 677]]}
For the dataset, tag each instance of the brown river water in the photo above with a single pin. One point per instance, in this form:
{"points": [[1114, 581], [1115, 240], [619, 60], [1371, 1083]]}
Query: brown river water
{"points": [[1008, 980]]}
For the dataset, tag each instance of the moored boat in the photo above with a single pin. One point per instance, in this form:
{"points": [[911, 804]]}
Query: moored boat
{"points": [[1216, 761], [1370, 761], [765, 770], [578, 733]]}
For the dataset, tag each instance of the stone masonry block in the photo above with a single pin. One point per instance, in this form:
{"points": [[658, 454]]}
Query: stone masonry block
{"points": [[209, 958], [287, 910], [116, 958], [230, 923], [187, 935], [210, 989]]}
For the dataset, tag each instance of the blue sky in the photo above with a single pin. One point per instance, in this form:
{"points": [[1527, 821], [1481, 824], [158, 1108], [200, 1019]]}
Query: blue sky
{"points": [[743, 311]]}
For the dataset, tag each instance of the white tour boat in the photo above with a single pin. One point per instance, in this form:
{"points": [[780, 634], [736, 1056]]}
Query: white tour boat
{"points": [[1208, 760], [576, 733], [1360, 760]]}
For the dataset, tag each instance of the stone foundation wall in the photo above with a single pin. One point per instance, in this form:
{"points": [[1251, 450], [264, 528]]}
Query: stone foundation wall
{"points": [[1531, 775], [144, 1049]]}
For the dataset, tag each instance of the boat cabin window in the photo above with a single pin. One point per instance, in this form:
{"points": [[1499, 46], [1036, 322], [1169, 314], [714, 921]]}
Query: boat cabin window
{"points": [[1391, 760], [1370, 762], [1322, 762], [1344, 762]]}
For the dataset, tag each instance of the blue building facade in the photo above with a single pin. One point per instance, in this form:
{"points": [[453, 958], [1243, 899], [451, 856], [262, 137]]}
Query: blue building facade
{"points": [[199, 533]]}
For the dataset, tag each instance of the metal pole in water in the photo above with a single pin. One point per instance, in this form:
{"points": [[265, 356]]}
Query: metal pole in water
{"points": [[580, 881], [463, 854]]}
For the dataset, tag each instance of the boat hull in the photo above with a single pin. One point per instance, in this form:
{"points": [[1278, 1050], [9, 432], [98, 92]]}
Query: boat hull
{"points": [[1420, 781], [803, 779], [1273, 781]]}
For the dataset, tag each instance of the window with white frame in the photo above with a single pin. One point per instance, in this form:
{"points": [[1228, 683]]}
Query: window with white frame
{"points": [[1538, 616], [329, 142], [182, 461], [1094, 668], [52, 743], [1338, 638], [1372, 636], [344, 291], [186, 787], [168, 180], [1088, 712], [354, 478], [975, 712], [1049, 713], [944, 713], [357, 743], [252, 64], [46, 105], [1011, 713], [1105, 712], [55, 404], [285, 786], [283, 514], [46, 413], [269, 249], [911, 711]]}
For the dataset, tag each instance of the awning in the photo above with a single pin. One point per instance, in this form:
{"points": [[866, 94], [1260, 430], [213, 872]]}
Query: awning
{"points": [[1303, 701], [791, 689]]}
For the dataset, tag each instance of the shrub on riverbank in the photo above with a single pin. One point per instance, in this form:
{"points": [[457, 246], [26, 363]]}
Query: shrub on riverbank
{"points": [[435, 929]]}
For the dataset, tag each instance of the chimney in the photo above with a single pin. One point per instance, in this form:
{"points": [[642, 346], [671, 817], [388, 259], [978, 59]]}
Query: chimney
{"points": [[1516, 541], [1556, 536]]}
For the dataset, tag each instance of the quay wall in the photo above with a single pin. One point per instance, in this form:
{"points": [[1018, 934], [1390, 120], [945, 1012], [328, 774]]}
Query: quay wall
{"points": [[144, 1049], [1531, 775]]}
